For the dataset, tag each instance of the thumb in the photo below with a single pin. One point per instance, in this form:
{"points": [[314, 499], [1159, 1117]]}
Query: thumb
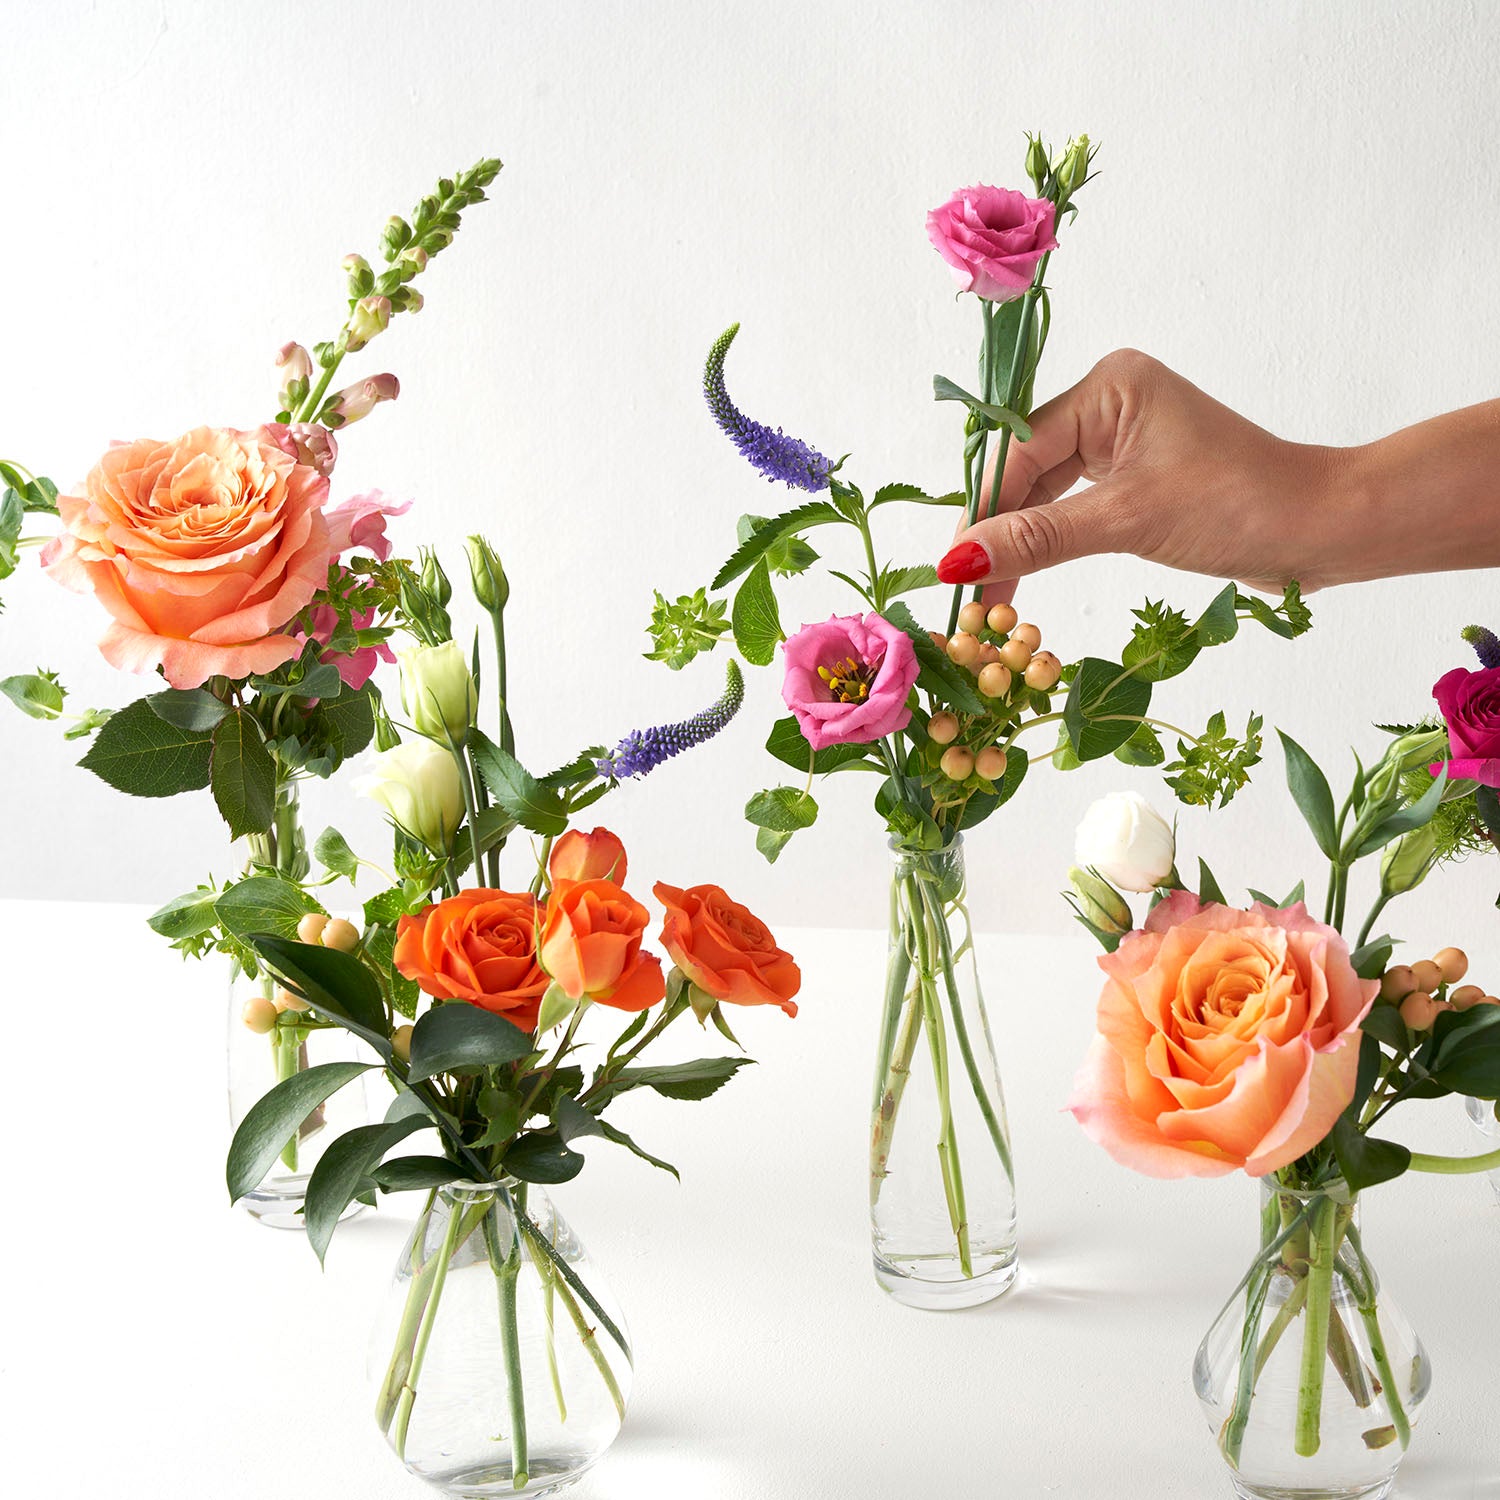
{"points": [[1017, 543]]}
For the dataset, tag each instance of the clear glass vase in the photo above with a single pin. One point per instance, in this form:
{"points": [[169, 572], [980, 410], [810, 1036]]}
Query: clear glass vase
{"points": [[942, 1190], [1482, 1113], [500, 1363], [257, 1061], [1311, 1378]]}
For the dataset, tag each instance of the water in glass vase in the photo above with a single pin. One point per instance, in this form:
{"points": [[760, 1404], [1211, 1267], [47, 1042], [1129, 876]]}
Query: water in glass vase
{"points": [[1311, 1377], [500, 1363], [1483, 1113], [942, 1190]]}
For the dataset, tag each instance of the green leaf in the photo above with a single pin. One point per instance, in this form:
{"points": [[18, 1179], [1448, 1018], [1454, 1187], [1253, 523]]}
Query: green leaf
{"points": [[783, 809], [1404, 819], [264, 903], [749, 552], [786, 558], [458, 1037], [1365, 1160], [38, 695], [908, 579], [939, 677], [347, 723], [243, 775], [1143, 748], [787, 743], [610, 1133], [387, 907], [405, 1173], [770, 843], [336, 984], [380, 950], [341, 1172], [982, 804], [756, 622], [275, 1118], [573, 1120], [1372, 959], [1209, 888], [914, 496], [1310, 791], [187, 916], [696, 1079], [1384, 1023], [1219, 622], [139, 753], [944, 389], [1288, 619], [191, 709], [531, 804], [540, 1156], [1103, 708], [332, 851], [1473, 1067]]}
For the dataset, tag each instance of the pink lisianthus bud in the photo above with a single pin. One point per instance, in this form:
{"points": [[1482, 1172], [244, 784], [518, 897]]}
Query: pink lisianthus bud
{"points": [[371, 315], [306, 442], [361, 398]]}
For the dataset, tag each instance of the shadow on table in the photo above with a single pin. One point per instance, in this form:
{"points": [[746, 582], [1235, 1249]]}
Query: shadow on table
{"points": [[1428, 1475]]}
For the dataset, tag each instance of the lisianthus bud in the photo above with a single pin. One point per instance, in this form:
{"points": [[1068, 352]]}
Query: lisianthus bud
{"points": [[1127, 841], [437, 691], [491, 587], [371, 315], [1407, 862], [361, 398], [434, 579], [1037, 166], [1099, 903], [417, 784], [1075, 164]]}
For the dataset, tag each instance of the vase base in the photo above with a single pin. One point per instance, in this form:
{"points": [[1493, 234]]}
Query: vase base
{"points": [[1377, 1491], [490, 1483], [952, 1293], [282, 1208]]}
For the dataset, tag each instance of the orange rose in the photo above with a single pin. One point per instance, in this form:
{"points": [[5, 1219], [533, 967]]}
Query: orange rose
{"points": [[725, 949], [587, 856], [591, 945], [1226, 1039], [203, 550], [479, 946]]}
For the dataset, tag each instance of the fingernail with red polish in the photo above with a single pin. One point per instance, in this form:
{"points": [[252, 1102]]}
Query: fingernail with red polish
{"points": [[966, 563]]}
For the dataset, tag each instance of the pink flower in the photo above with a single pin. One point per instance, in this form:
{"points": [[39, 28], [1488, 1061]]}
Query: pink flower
{"points": [[1470, 705], [359, 665], [847, 680], [360, 522], [993, 239], [306, 442], [1226, 1039], [360, 399]]}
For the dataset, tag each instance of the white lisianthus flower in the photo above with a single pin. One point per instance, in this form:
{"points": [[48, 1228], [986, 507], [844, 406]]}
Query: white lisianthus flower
{"points": [[437, 691], [417, 784], [1127, 841]]}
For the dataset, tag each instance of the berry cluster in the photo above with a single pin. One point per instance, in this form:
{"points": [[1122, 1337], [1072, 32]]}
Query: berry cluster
{"points": [[1425, 989], [260, 1013]]}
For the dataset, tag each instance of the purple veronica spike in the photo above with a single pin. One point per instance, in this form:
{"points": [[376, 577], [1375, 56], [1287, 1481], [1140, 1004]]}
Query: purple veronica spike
{"points": [[644, 750], [776, 455], [1485, 644]]}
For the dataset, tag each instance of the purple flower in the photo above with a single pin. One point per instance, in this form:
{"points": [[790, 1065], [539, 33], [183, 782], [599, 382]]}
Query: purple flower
{"points": [[1485, 645], [643, 750], [776, 455]]}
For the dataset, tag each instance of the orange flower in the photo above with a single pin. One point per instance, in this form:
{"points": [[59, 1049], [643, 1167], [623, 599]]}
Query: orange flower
{"points": [[591, 945], [725, 949], [479, 946], [587, 856]]}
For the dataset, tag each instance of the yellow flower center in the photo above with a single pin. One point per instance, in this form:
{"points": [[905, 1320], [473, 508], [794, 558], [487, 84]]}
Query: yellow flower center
{"points": [[848, 680]]}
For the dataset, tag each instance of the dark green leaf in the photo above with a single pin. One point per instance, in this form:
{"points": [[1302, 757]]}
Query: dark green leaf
{"points": [[1364, 1160], [573, 1120], [1371, 1059], [243, 775], [783, 809], [907, 580], [944, 389], [274, 1119], [458, 1037], [342, 1170], [404, 1173], [347, 722], [898, 491], [1310, 791], [1103, 708], [332, 851], [531, 804], [787, 744], [541, 1157], [756, 622], [192, 709], [748, 553], [1209, 888], [336, 984], [1384, 1023], [1404, 819], [1372, 959], [696, 1079], [1473, 1068], [264, 903], [138, 752], [947, 683], [609, 1132]]}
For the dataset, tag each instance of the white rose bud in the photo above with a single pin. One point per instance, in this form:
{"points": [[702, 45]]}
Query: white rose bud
{"points": [[1127, 841], [437, 691], [417, 784]]}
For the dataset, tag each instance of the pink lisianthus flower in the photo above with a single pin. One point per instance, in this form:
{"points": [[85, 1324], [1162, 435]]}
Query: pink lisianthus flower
{"points": [[847, 680], [358, 666], [993, 238], [1226, 1040], [1470, 705]]}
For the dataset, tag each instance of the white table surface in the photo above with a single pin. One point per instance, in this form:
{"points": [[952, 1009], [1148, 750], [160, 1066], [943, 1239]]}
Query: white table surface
{"points": [[157, 1343]]}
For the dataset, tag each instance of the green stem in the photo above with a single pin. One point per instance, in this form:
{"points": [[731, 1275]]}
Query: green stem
{"points": [[507, 730], [1232, 1438], [1321, 1253], [308, 411], [1370, 1313], [570, 1276], [1455, 1166], [507, 1274], [411, 1315], [589, 1338], [897, 1072], [1375, 911], [549, 1296], [407, 1399]]}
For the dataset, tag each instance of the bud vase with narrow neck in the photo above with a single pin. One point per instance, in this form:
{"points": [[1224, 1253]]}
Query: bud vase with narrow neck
{"points": [[257, 1061], [1311, 1378], [500, 1363], [942, 1190], [1482, 1113]]}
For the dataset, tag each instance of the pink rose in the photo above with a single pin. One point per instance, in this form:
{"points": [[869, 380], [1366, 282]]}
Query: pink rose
{"points": [[847, 680], [993, 239], [1470, 705], [1226, 1039]]}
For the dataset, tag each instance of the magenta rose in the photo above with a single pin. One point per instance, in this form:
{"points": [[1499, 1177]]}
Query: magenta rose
{"points": [[847, 680], [1470, 704], [993, 239]]}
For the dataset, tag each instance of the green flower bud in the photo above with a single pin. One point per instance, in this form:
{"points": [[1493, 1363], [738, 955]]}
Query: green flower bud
{"points": [[371, 316], [438, 692], [1036, 161], [1075, 164], [1406, 863], [434, 579], [361, 277], [491, 586], [395, 237], [1099, 903], [417, 784]]}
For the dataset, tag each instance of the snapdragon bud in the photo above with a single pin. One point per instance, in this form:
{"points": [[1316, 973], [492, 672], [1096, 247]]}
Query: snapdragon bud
{"points": [[411, 261], [395, 237], [1099, 903], [438, 691], [371, 316], [360, 399], [361, 277], [491, 586], [296, 367]]}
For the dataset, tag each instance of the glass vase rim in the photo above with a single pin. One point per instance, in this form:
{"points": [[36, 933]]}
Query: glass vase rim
{"points": [[906, 851], [1335, 1189], [464, 1189]]}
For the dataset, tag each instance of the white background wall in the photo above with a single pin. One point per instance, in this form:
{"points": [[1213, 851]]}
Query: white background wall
{"points": [[1297, 208]]}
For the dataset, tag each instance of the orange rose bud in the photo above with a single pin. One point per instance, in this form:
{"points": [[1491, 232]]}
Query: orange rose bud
{"points": [[591, 945], [725, 949], [478, 946], [587, 856]]}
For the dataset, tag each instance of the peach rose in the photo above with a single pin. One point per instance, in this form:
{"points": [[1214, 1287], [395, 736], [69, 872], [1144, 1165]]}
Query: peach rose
{"points": [[587, 856], [479, 946], [1226, 1039], [591, 945], [725, 949], [204, 550]]}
